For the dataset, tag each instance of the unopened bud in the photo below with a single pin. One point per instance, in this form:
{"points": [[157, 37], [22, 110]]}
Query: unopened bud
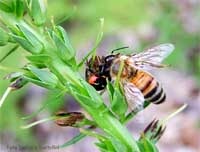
{"points": [[154, 130], [37, 10], [69, 119], [18, 83]]}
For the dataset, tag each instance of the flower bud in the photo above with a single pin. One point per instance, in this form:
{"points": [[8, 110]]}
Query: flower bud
{"points": [[69, 119], [18, 83], [154, 131], [37, 10]]}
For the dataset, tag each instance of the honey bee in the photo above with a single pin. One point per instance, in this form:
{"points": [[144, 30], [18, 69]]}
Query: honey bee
{"points": [[137, 84]]}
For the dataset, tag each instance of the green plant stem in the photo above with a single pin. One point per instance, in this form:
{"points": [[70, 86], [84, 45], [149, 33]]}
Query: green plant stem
{"points": [[103, 118]]}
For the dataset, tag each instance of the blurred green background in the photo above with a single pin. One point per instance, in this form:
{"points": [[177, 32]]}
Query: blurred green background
{"points": [[134, 23]]}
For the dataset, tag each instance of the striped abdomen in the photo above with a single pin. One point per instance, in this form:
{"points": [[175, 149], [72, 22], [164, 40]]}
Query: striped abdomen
{"points": [[150, 88]]}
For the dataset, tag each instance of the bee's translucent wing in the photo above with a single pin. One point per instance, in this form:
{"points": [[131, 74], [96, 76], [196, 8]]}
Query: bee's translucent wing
{"points": [[152, 57], [134, 96]]}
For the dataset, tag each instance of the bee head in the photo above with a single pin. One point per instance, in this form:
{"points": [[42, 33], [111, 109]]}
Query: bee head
{"points": [[98, 71], [98, 82]]}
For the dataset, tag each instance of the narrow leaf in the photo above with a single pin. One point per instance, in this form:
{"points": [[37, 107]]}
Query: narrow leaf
{"points": [[93, 94], [4, 37], [66, 40], [19, 8], [98, 40], [73, 140], [38, 122], [110, 89], [32, 38], [118, 104], [41, 58], [45, 76], [148, 145], [9, 52], [25, 44], [101, 146], [39, 82], [86, 100], [63, 52]]}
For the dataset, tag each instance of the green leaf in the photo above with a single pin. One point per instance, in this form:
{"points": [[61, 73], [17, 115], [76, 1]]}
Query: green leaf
{"points": [[146, 104], [73, 140], [39, 59], [134, 113], [25, 44], [93, 94], [109, 146], [19, 8], [110, 89], [9, 52], [62, 50], [45, 77], [118, 146], [65, 38], [97, 42], [5, 7], [141, 146], [86, 100], [3, 37], [81, 95], [32, 39], [146, 145], [102, 146], [37, 11], [38, 82], [118, 104]]}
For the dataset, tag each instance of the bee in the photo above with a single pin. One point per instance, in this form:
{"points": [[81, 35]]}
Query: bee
{"points": [[137, 84]]}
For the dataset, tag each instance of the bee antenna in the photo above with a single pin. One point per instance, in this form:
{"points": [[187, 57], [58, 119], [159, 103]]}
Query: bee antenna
{"points": [[125, 47]]}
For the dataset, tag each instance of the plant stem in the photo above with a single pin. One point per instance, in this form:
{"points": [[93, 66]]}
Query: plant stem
{"points": [[101, 115], [5, 95], [104, 119]]}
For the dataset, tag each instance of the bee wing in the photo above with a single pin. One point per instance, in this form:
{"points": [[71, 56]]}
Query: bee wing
{"points": [[152, 57], [134, 96]]}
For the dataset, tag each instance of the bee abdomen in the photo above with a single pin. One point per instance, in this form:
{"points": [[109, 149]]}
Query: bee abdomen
{"points": [[154, 93], [150, 88]]}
